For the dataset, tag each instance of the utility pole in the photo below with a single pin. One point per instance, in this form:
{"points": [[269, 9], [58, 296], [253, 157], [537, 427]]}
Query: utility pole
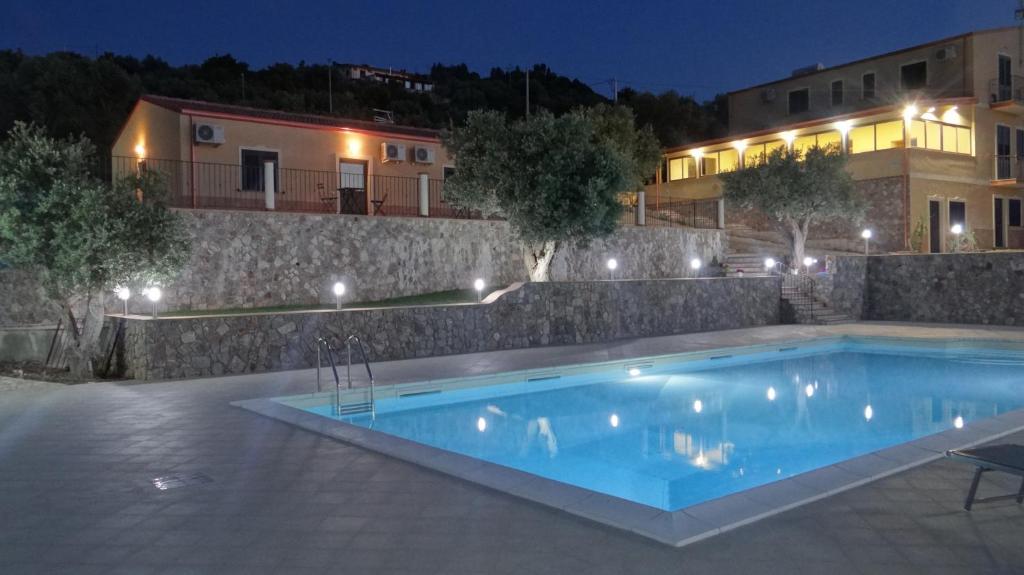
{"points": [[615, 88], [528, 90], [330, 87], [243, 86]]}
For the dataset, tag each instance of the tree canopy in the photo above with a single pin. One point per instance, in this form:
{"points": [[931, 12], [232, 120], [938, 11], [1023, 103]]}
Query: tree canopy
{"points": [[795, 190], [72, 94], [556, 179], [82, 237]]}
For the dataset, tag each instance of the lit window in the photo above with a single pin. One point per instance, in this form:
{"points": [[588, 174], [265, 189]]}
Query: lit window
{"points": [[963, 140], [773, 146], [803, 143], [753, 156], [862, 139], [889, 135], [728, 160], [710, 165], [949, 138], [917, 134], [675, 169], [830, 140], [933, 136]]}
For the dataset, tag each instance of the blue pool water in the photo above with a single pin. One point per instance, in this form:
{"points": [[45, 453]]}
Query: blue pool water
{"points": [[689, 432]]}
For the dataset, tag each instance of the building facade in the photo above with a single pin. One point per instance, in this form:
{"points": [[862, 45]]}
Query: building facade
{"points": [[935, 135], [223, 156]]}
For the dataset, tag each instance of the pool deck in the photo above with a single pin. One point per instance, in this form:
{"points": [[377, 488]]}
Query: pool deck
{"points": [[76, 496]]}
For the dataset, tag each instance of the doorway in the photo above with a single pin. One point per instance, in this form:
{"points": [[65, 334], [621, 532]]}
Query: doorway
{"points": [[934, 226], [999, 221], [352, 187]]}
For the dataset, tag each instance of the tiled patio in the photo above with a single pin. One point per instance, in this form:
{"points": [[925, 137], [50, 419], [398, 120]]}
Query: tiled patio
{"points": [[76, 497]]}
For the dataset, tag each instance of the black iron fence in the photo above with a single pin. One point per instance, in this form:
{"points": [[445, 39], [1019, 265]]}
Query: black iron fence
{"points": [[206, 185]]}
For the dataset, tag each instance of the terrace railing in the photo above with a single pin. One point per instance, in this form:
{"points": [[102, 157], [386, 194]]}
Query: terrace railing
{"points": [[207, 185]]}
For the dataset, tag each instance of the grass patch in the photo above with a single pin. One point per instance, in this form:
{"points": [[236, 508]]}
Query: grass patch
{"points": [[434, 298]]}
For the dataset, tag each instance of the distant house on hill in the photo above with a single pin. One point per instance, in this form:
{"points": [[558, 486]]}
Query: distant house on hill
{"points": [[410, 81]]}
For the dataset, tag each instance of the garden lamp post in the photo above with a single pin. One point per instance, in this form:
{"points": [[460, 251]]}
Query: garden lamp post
{"points": [[154, 294], [612, 265], [957, 229], [769, 264], [339, 290], [695, 265], [123, 294], [478, 285], [866, 234]]}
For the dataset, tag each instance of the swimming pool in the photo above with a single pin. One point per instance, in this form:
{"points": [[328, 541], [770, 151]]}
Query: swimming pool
{"points": [[651, 444], [679, 434]]}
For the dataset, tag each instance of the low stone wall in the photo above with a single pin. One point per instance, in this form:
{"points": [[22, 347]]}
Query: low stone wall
{"points": [[527, 315], [977, 288], [843, 288]]}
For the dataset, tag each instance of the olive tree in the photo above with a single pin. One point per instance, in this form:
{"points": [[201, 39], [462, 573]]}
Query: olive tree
{"points": [[796, 190], [80, 236], [556, 180]]}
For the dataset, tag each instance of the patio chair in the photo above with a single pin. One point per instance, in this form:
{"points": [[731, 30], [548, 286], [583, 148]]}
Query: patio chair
{"points": [[1008, 458]]}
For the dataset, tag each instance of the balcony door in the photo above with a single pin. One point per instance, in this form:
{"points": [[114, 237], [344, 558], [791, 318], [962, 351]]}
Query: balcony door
{"points": [[1005, 81], [1003, 170], [999, 221], [352, 187]]}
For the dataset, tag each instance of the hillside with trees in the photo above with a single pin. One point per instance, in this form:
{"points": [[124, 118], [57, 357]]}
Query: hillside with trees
{"points": [[71, 94]]}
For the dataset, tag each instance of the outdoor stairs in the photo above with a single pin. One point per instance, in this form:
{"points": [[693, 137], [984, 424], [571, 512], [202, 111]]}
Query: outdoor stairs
{"points": [[810, 310], [748, 249]]}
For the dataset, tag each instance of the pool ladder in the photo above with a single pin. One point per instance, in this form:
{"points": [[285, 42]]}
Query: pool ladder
{"points": [[323, 345]]}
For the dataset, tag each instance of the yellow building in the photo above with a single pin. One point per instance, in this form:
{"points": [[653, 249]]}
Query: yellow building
{"points": [[935, 135], [222, 156]]}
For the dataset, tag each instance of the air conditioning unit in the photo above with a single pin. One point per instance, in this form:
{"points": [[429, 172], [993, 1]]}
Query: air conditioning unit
{"points": [[391, 152], [208, 134], [768, 95], [423, 155], [946, 53]]}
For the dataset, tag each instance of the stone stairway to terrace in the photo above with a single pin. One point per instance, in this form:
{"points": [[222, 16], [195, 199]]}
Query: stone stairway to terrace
{"points": [[803, 306], [748, 249]]}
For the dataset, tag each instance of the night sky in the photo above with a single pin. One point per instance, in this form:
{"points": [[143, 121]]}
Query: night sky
{"points": [[697, 48]]}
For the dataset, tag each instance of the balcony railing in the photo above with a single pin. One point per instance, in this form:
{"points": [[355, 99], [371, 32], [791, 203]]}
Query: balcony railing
{"points": [[204, 185], [1006, 92], [1008, 168], [702, 214]]}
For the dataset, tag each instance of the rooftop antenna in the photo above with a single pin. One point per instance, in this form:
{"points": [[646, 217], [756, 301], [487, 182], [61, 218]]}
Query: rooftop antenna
{"points": [[330, 87]]}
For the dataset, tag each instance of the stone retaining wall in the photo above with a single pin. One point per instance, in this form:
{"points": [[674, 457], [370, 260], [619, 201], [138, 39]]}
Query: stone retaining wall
{"points": [[978, 288], [258, 259], [527, 315]]}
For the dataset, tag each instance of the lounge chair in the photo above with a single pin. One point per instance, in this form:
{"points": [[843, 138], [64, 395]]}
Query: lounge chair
{"points": [[1007, 458]]}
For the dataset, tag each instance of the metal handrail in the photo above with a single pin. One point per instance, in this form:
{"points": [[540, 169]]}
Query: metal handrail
{"points": [[322, 342], [366, 362]]}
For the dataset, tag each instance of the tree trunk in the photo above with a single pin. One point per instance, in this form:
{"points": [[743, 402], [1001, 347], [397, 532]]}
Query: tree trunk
{"points": [[797, 238], [83, 345], [538, 260]]}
